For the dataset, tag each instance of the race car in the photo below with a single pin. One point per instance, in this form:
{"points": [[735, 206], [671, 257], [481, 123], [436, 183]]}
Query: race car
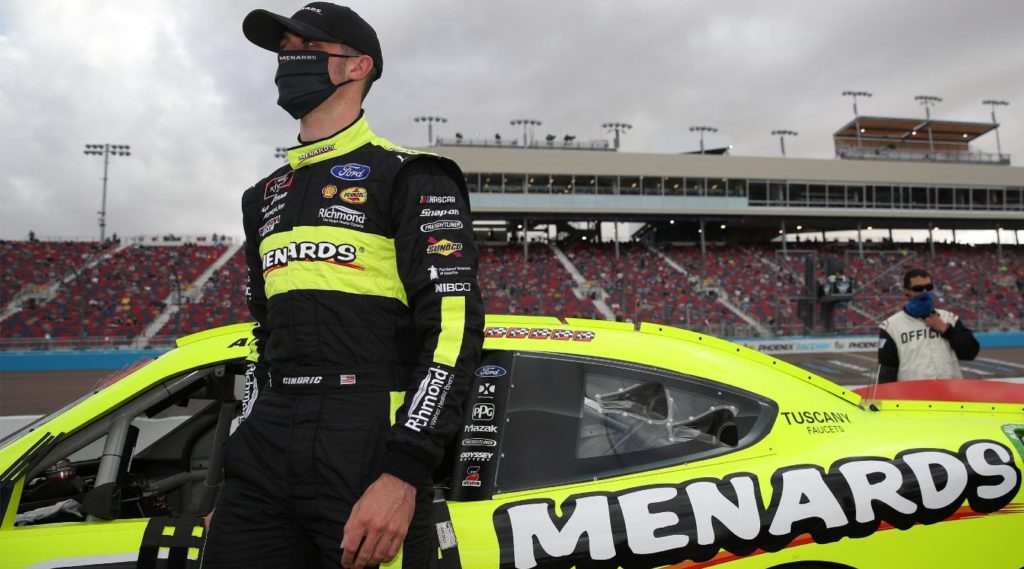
{"points": [[584, 444]]}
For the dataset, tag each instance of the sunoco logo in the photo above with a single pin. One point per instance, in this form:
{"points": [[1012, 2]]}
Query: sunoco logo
{"points": [[444, 247], [354, 195], [342, 215], [351, 172], [339, 254], [441, 224]]}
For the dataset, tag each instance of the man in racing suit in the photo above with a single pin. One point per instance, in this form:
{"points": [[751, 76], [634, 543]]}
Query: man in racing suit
{"points": [[362, 280], [921, 341]]}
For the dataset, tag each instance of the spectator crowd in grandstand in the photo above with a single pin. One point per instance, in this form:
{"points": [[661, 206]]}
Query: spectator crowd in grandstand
{"points": [[168, 288]]}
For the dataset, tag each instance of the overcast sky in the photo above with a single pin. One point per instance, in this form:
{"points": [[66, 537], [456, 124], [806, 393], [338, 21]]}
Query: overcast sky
{"points": [[178, 82]]}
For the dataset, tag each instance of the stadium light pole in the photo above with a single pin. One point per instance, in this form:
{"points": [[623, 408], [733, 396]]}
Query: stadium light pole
{"points": [[702, 130], [527, 125], [928, 101], [280, 153], [995, 103], [856, 114], [617, 128], [782, 134], [106, 151], [430, 126]]}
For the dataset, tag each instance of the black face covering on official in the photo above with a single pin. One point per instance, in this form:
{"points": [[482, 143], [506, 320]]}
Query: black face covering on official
{"points": [[303, 80]]}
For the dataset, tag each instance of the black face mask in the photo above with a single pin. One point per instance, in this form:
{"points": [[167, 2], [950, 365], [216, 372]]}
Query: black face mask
{"points": [[303, 81]]}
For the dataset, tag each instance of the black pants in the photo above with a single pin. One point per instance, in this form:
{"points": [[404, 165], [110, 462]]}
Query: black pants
{"points": [[293, 470]]}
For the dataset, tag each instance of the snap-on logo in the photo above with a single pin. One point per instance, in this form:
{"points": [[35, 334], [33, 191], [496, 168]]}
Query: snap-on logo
{"points": [[351, 172]]}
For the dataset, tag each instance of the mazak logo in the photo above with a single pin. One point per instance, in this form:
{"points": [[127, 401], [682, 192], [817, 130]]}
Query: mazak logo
{"points": [[354, 195], [337, 254], [277, 184], [440, 225], [452, 287], [427, 212], [437, 199], [490, 429], [490, 371], [269, 225], [341, 215], [315, 152], [483, 412], [444, 247], [351, 172]]}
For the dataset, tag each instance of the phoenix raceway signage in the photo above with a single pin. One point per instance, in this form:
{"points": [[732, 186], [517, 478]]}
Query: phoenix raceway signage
{"points": [[813, 345]]}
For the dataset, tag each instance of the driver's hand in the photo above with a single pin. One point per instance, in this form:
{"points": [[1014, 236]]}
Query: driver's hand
{"points": [[378, 523], [935, 322]]}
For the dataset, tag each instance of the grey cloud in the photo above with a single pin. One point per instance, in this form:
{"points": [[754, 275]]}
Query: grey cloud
{"points": [[180, 84]]}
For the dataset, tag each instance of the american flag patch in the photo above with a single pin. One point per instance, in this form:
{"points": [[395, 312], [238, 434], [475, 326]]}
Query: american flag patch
{"points": [[518, 332], [495, 332], [562, 335], [540, 333], [584, 335], [348, 379]]}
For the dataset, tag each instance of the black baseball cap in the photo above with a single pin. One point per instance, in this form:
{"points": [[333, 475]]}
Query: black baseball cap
{"points": [[322, 21]]}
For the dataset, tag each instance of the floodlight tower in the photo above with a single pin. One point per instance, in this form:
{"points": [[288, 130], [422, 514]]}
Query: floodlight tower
{"points": [[994, 103], [106, 151], [928, 101], [527, 125], [702, 130], [618, 128], [856, 115], [430, 126], [782, 134]]}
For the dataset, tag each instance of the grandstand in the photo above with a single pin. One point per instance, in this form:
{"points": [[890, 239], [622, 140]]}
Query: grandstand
{"points": [[711, 248]]}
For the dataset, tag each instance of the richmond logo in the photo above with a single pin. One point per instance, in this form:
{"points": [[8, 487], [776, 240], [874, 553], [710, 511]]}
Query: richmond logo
{"points": [[337, 254]]}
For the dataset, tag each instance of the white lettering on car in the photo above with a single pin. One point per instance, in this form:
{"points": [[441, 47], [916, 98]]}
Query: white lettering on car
{"points": [[694, 520]]}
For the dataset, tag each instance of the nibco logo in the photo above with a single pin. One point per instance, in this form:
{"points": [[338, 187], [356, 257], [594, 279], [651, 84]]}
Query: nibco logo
{"points": [[483, 412], [350, 172]]}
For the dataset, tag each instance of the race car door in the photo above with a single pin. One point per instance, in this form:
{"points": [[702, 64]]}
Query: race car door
{"points": [[542, 427]]}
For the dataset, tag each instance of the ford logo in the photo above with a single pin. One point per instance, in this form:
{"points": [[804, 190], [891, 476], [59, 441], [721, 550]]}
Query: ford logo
{"points": [[490, 371], [350, 172]]}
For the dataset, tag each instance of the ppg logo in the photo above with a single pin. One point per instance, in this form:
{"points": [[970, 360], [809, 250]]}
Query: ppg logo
{"points": [[350, 172], [483, 412]]}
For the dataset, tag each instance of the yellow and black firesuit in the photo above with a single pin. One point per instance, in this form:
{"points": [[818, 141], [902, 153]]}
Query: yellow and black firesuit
{"points": [[363, 282]]}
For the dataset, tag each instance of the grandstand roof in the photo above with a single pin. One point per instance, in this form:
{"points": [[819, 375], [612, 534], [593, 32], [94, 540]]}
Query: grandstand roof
{"points": [[523, 161], [904, 130]]}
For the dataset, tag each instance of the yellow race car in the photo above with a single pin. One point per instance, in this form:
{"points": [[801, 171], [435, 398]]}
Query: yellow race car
{"points": [[585, 444]]}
